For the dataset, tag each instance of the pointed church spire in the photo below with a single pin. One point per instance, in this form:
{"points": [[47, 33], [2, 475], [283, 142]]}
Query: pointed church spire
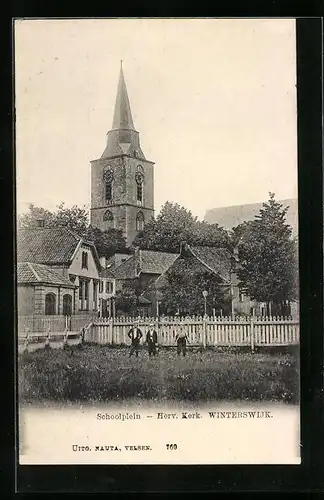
{"points": [[123, 115], [123, 138]]}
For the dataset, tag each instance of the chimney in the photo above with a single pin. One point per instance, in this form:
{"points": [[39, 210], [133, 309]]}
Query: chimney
{"points": [[102, 262], [183, 246], [137, 261], [40, 223]]}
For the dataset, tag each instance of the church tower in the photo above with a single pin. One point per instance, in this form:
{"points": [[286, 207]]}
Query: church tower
{"points": [[122, 180]]}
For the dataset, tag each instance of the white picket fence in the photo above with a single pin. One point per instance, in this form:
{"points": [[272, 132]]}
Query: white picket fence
{"points": [[55, 323], [32, 341], [38, 331], [201, 331]]}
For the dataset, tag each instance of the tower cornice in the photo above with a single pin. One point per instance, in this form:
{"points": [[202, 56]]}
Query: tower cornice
{"points": [[106, 158]]}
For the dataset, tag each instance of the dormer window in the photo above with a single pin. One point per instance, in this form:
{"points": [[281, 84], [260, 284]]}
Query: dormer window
{"points": [[84, 264]]}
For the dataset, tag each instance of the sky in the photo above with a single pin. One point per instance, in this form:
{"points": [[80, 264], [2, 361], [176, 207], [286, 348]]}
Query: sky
{"points": [[214, 101]]}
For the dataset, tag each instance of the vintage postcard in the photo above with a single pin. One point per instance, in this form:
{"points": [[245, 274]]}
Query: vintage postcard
{"points": [[157, 241]]}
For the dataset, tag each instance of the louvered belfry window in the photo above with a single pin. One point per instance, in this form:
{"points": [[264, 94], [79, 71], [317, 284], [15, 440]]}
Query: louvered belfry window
{"points": [[108, 180], [139, 177]]}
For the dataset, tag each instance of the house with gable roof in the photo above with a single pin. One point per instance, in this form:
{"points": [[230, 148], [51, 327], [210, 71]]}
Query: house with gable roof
{"points": [[221, 263], [141, 269], [43, 290], [145, 266], [68, 260]]}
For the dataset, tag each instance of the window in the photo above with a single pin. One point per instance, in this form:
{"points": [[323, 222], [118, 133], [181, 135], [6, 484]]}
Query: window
{"points": [[100, 286], [108, 192], [108, 219], [95, 294], [86, 289], [84, 260], [139, 177], [67, 305], [108, 180], [139, 193], [140, 221], [80, 289], [50, 304], [242, 295]]}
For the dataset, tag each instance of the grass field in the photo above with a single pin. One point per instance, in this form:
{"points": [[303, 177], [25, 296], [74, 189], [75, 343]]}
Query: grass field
{"points": [[99, 374]]}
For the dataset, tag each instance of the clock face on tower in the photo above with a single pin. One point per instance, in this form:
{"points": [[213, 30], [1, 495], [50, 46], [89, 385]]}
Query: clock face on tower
{"points": [[108, 174]]}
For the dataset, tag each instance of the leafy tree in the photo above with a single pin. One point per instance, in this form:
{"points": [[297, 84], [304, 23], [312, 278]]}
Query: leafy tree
{"points": [[126, 300], [29, 219], [174, 225], [183, 287], [268, 268], [107, 242], [76, 219]]}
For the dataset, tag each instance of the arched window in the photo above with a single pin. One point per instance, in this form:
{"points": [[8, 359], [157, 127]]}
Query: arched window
{"points": [[108, 220], [67, 305], [50, 304], [140, 221], [108, 181], [139, 177]]}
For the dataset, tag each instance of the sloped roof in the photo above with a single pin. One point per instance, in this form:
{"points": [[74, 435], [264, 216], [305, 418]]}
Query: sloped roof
{"points": [[156, 262], [116, 260], [51, 245], [150, 262], [123, 138], [46, 245], [106, 273], [218, 260], [30, 272], [122, 116]]}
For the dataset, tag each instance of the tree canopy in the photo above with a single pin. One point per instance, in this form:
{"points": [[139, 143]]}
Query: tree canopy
{"points": [[77, 220], [267, 252], [126, 299], [174, 225], [183, 287], [107, 242]]}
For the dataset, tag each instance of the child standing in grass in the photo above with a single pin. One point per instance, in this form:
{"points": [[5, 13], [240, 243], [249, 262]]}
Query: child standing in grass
{"points": [[182, 340], [135, 335]]}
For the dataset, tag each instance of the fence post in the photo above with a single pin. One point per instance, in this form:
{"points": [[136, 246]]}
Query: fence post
{"points": [[26, 340], [111, 325], [47, 341], [205, 332], [252, 333], [65, 337]]}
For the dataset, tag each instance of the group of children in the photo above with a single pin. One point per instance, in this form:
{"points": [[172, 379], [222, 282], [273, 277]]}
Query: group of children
{"points": [[135, 336]]}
